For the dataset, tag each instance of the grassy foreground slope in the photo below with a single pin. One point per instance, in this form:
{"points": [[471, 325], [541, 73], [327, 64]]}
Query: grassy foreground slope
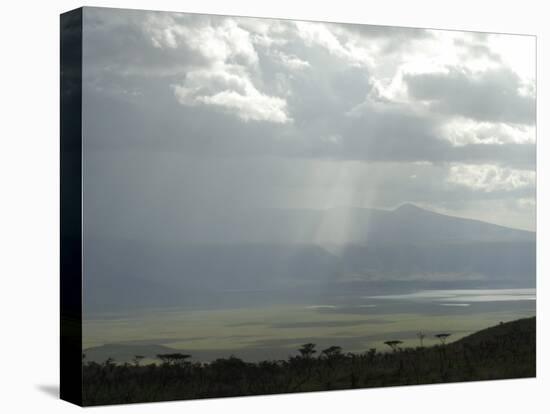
{"points": [[507, 350]]}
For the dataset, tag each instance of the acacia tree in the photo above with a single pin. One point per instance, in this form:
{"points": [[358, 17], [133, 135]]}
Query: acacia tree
{"points": [[173, 359], [307, 350], [332, 352], [394, 345], [109, 363], [371, 354], [137, 359], [302, 366], [330, 356], [442, 337]]}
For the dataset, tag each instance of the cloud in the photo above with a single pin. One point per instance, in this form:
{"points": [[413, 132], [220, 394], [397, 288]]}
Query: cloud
{"points": [[477, 50], [292, 62], [250, 105], [490, 178], [226, 79], [324, 35], [463, 131], [492, 95], [266, 32], [443, 119], [385, 131], [388, 39], [229, 87], [217, 39]]}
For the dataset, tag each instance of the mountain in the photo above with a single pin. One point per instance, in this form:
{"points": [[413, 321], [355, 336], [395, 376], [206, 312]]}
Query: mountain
{"points": [[411, 224], [279, 256], [408, 223]]}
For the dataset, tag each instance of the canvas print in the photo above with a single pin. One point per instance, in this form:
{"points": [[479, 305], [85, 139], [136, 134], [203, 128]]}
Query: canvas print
{"points": [[277, 206]]}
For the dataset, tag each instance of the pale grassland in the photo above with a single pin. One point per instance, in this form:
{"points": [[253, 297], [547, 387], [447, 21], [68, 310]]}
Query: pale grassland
{"points": [[240, 328]]}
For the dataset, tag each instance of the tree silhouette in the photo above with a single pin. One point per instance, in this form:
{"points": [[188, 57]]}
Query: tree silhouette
{"points": [[307, 350], [137, 359], [371, 354], [443, 337], [332, 352], [393, 344], [110, 362], [505, 351], [173, 359]]}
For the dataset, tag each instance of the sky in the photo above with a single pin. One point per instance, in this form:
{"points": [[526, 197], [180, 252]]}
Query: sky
{"points": [[186, 115]]}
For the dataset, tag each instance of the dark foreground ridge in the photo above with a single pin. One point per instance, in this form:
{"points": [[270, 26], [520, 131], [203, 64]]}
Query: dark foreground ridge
{"points": [[507, 350]]}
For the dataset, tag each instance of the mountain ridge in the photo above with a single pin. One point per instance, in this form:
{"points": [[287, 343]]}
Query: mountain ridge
{"points": [[298, 252]]}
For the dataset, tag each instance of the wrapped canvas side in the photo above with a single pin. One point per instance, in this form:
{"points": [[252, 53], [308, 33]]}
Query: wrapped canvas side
{"points": [[71, 207]]}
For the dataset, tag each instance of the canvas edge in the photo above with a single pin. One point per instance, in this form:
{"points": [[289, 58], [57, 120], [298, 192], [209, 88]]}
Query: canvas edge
{"points": [[71, 206]]}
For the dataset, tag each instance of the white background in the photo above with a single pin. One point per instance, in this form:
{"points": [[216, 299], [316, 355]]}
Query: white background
{"points": [[29, 193]]}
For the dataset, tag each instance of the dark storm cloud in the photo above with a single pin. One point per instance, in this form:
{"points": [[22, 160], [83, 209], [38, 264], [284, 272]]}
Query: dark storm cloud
{"points": [[130, 96], [118, 41], [217, 146], [490, 96], [141, 123]]}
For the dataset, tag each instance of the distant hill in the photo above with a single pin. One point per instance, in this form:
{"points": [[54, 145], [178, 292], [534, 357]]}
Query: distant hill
{"points": [[300, 252], [521, 331], [412, 224], [340, 225]]}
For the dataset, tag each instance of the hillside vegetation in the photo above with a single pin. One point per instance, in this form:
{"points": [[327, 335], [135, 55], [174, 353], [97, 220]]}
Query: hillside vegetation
{"points": [[504, 351]]}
